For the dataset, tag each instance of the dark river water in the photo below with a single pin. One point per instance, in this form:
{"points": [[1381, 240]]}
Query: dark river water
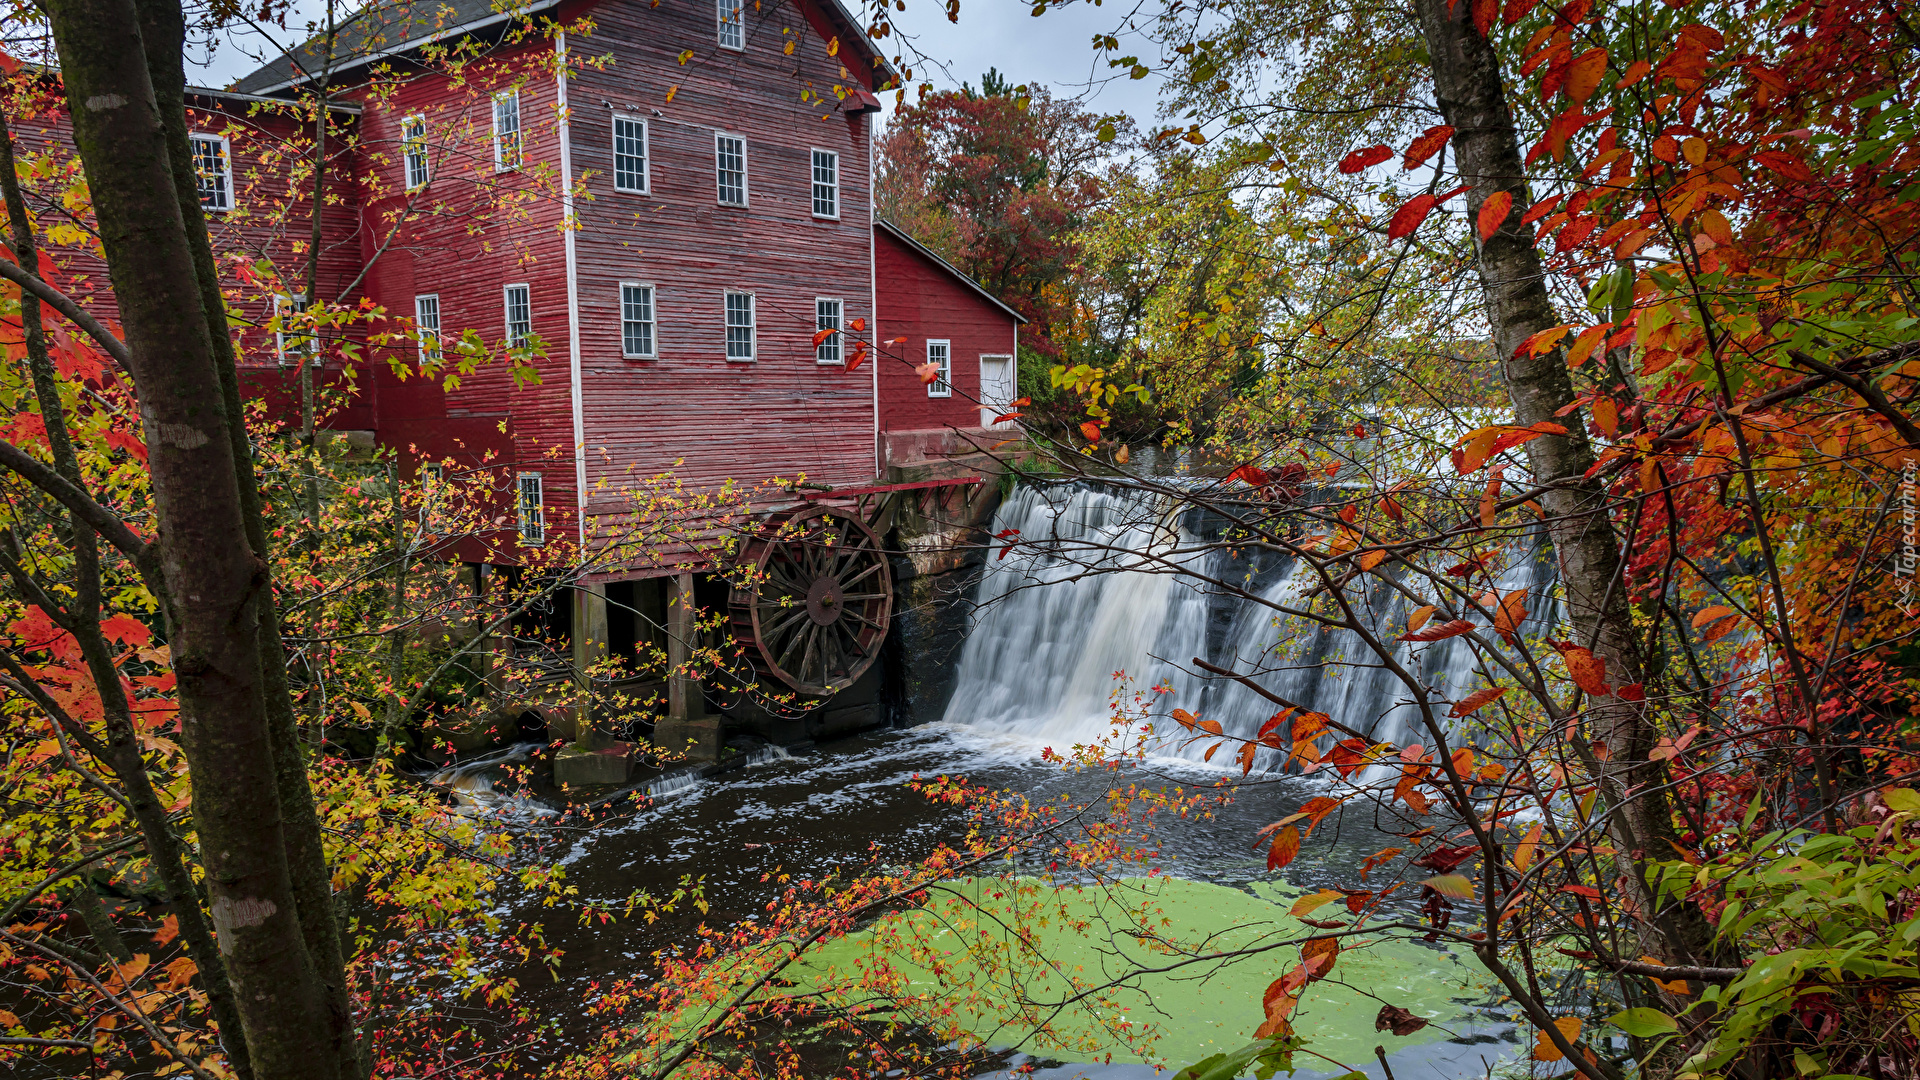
{"points": [[832, 805]]}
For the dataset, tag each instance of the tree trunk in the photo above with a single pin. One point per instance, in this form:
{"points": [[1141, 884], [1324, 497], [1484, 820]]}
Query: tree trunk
{"points": [[163, 31], [214, 580], [1472, 97], [124, 756]]}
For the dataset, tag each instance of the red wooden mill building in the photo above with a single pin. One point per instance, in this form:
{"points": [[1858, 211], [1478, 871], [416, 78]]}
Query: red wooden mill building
{"points": [[662, 204]]}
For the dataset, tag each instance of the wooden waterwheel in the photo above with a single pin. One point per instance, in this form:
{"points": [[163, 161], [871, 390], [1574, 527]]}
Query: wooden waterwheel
{"points": [[817, 596]]}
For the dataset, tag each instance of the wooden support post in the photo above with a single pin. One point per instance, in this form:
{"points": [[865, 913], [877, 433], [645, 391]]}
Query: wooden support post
{"points": [[683, 691]]}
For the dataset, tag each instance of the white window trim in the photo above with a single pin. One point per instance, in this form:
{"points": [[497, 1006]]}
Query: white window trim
{"points": [[843, 330], [506, 310], [407, 147], [835, 216], [753, 327], [740, 21], [991, 409], [226, 178], [538, 520], [500, 164], [746, 174], [284, 304], [941, 387], [646, 155], [439, 320], [621, 300]]}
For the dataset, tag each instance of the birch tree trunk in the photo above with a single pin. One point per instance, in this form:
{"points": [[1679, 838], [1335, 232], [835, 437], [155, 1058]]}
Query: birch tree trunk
{"points": [[1486, 147]]}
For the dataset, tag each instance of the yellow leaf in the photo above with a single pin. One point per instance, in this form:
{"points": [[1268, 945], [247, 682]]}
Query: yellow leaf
{"points": [[789, 49], [1312, 902]]}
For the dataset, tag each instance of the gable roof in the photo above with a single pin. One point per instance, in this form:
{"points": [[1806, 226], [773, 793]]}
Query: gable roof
{"points": [[382, 30], [895, 231]]}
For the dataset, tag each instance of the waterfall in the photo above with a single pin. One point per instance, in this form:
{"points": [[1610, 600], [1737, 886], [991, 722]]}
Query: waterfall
{"points": [[1096, 586]]}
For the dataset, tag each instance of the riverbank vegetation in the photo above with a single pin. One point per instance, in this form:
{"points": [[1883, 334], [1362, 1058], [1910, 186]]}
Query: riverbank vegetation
{"points": [[1426, 297]]}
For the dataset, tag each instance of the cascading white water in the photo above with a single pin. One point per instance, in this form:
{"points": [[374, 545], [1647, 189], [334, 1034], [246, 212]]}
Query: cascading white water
{"points": [[1095, 587]]}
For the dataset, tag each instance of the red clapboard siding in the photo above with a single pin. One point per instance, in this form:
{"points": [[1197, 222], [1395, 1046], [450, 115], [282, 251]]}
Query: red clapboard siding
{"points": [[268, 228], [782, 414], [921, 299]]}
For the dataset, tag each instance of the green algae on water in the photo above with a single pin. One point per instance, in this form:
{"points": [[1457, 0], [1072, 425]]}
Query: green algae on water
{"points": [[1162, 971]]}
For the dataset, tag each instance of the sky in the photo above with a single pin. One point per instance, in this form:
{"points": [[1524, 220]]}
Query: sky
{"points": [[1054, 49]]}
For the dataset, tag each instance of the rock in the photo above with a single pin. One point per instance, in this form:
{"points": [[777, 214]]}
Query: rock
{"points": [[575, 767]]}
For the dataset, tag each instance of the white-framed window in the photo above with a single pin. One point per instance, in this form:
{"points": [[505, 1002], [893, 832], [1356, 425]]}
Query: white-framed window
{"points": [[740, 330], [629, 154], [733, 29], [827, 314], [730, 168], [519, 313], [413, 141], [636, 321], [426, 321], [290, 345], [826, 184], [213, 168], [530, 501], [506, 130], [940, 355]]}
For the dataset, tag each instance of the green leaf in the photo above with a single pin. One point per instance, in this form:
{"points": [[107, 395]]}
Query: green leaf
{"points": [[1269, 1054], [1901, 800], [1645, 1023]]}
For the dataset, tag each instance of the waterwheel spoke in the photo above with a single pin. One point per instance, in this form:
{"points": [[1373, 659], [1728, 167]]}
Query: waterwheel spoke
{"points": [[862, 576], [806, 658]]}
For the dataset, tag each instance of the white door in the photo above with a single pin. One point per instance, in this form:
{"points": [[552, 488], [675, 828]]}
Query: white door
{"points": [[996, 387]]}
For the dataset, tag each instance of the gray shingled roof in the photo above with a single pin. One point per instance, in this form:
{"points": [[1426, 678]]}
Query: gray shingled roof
{"points": [[384, 29], [381, 29]]}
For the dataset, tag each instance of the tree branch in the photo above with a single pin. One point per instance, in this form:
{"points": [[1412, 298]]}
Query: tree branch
{"points": [[104, 521], [65, 305]]}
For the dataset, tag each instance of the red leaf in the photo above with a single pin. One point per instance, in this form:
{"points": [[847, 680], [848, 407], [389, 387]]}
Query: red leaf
{"points": [[1091, 430], [1484, 12], [858, 326], [1348, 755], [823, 335], [1440, 633], [1790, 167], [1428, 144], [1494, 212], [1408, 217], [1286, 845], [1364, 158]]}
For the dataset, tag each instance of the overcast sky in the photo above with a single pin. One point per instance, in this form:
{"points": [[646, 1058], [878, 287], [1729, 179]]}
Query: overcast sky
{"points": [[1054, 49]]}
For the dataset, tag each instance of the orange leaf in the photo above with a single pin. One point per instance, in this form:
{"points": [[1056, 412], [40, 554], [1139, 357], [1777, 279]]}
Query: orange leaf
{"points": [[1466, 705], [927, 372], [1523, 855], [1589, 672], [1286, 845], [1318, 955], [1607, 415], [1494, 212], [1373, 558], [859, 326], [823, 335], [1543, 342], [1390, 507], [1583, 75], [1513, 609], [1091, 430], [1543, 1047], [1584, 345], [1424, 147], [1419, 617]]}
